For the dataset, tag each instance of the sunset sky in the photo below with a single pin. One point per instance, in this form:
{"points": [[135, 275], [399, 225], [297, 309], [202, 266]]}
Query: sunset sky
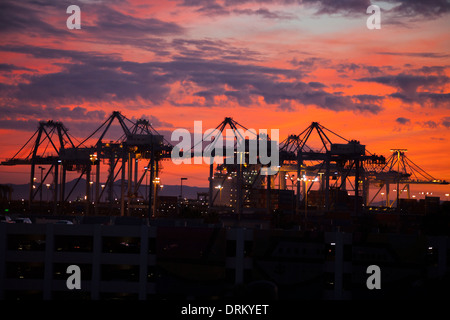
{"points": [[266, 63]]}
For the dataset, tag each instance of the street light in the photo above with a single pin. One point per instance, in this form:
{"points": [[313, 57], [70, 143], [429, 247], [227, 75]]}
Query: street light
{"points": [[156, 183], [103, 188], [305, 179], [220, 187], [48, 187], [92, 189]]}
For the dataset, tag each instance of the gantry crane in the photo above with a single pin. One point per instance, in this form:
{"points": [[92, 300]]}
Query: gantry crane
{"points": [[51, 140], [52, 148], [235, 168], [400, 170], [139, 141], [337, 160]]}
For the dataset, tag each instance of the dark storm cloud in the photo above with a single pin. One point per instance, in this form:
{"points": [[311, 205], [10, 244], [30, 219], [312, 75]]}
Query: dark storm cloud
{"points": [[401, 8], [93, 77], [90, 77], [306, 66], [207, 48], [44, 113], [316, 85], [367, 107], [220, 9], [321, 6], [105, 24], [369, 98], [6, 67], [306, 94], [213, 8], [429, 124], [403, 121], [442, 99], [31, 16], [413, 8], [209, 95], [121, 25], [446, 122], [340, 6], [345, 68], [266, 13], [415, 54], [431, 70], [119, 29], [49, 53], [113, 27], [252, 81], [408, 86], [21, 16], [242, 97], [210, 73], [17, 124], [93, 83]]}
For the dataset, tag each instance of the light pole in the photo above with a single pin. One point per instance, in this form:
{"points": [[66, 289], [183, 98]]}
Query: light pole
{"points": [[48, 188], [156, 183], [103, 188], [306, 197], [146, 183], [181, 188], [42, 178], [306, 180], [92, 190]]}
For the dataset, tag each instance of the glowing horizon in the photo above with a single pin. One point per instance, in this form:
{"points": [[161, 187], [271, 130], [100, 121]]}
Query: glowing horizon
{"points": [[272, 64]]}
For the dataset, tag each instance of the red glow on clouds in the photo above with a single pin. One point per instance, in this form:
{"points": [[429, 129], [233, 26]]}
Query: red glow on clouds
{"points": [[258, 62]]}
